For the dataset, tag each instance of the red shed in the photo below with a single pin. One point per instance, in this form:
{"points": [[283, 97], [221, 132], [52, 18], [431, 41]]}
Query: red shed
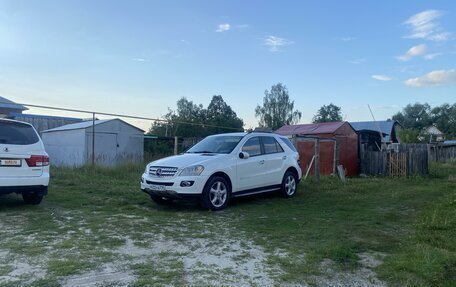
{"points": [[342, 132]]}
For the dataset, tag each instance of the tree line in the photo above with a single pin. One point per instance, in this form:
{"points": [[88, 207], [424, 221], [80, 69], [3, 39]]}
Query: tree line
{"points": [[415, 118], [278, 109], [193, 120]]}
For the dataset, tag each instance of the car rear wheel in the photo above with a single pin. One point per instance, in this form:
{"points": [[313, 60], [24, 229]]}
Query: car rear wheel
{"points": [[289, 184], [216, 193], [32, 198]]}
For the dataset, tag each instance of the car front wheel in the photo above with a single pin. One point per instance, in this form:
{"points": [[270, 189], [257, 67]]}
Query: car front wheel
{"points": [[289, 184], [216, 193]]}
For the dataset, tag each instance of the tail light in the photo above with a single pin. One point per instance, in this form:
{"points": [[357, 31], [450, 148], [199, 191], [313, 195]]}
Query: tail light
{"points": [[37, 160]]}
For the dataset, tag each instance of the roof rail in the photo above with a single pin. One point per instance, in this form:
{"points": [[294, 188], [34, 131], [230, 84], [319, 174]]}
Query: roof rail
{"points": [[262, 130]]}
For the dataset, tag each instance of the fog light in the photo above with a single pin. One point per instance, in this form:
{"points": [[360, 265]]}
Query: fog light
{"points": [[186, 183], [142, 180]]}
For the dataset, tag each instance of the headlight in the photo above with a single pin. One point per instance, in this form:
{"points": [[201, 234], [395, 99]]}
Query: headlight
{"points": [[147, 169], [192, 170]]}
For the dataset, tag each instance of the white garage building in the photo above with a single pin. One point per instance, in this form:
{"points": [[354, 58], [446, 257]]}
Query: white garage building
{"points": [[116, 142]]}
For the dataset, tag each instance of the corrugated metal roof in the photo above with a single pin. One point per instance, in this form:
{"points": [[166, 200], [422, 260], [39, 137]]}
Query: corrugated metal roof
{"points": [[87, 124], [310, 129], [7, 104], [43, 117], [76, 126], [386, 127]]}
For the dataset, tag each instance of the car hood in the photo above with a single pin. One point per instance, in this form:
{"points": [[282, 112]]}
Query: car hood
{"points": [[186, 159]]}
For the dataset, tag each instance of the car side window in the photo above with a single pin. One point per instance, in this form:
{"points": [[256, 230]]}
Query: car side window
{"points": [[252, 146], [279, 147], [288, 143], [271, 145]]}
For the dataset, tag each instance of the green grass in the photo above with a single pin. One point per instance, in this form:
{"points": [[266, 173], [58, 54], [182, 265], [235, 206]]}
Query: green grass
{"points": [[89, 214]]}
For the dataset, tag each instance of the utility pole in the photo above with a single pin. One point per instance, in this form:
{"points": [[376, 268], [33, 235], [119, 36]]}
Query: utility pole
{"points": [[93, 139]]}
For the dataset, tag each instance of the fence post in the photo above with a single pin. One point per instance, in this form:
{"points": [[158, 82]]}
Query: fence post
{"points": [[176, 139], [93, 139], [317, 159], [335, 157]]}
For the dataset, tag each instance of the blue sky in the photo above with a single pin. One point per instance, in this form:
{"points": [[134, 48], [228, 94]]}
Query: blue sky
{"points": [[140, 57]]}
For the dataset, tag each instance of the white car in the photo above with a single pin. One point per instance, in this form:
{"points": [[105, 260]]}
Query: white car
{"points": [[224, 166], [24, 165]]}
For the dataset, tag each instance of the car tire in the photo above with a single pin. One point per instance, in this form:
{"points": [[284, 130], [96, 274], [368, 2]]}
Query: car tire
{"points": [[216, 193], [32, 198], [289, 184], [160, 199]]}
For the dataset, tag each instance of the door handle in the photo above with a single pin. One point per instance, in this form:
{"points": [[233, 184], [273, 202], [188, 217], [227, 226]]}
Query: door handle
{"points": [[261, 161], [284, 157]]}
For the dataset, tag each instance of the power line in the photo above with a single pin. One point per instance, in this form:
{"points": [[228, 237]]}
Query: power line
{"points": [[119, 115]]}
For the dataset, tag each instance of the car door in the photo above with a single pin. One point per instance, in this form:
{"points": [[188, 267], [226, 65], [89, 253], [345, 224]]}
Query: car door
{"points": [[274, 160], [251, 171]]}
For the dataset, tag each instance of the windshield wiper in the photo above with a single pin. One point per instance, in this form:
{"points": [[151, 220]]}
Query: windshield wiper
{"points": [[202, 151]]}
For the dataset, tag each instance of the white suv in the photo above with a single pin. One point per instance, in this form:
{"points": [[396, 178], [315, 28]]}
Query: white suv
{"points": [[224, 166], [24, 165]]}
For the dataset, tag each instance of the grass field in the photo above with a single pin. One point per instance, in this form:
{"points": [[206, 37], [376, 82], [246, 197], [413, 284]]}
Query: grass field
{"points": [[95, 228]]}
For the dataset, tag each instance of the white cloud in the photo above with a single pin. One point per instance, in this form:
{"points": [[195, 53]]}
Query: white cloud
{"points": [[223, 27], [357, 61], [424, 26], [275, 43], [434, 78], [432, 56], [347, 39], [139, 60], [381, 77], [413, 52]]}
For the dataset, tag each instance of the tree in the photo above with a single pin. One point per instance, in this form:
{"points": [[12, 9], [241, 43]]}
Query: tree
{"points": [[186, 112], [329, 113], [220, 114], [192, 120], [409, 135], [444, 117], [277, 109], [416, 116]]}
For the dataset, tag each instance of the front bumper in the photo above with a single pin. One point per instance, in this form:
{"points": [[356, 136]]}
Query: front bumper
{"points": [[171, 187]]}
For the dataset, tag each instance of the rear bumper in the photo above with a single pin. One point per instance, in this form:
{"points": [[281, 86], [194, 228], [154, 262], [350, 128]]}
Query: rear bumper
{"points": [[38, 189], [37, 184]]}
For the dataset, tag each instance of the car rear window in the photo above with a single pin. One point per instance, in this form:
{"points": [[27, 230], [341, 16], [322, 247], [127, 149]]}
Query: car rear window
{"points": [[17, 133], [289, 144]]}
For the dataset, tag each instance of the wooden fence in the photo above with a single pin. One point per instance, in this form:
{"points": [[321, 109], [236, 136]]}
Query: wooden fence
{"points": [[442, 153], [397, 161]]}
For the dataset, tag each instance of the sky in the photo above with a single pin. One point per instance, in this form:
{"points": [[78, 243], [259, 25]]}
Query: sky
{"points": [[140, 57]]}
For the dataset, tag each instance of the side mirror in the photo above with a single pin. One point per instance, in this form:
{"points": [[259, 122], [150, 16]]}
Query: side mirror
{"points": [[244, 155]]}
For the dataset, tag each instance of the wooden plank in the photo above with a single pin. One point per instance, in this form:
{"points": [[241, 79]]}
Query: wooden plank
{"points": [[317, 159]]}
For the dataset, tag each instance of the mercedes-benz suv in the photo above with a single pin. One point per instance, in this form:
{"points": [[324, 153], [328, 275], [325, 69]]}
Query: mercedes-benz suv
{"points": [[224, 166], [24, 165]]}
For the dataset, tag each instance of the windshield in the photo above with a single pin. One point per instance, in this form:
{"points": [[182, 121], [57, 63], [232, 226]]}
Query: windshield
{"points": [[216, 144]]}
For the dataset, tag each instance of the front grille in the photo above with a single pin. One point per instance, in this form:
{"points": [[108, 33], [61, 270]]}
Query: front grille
{"points": [[162, 171]]}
